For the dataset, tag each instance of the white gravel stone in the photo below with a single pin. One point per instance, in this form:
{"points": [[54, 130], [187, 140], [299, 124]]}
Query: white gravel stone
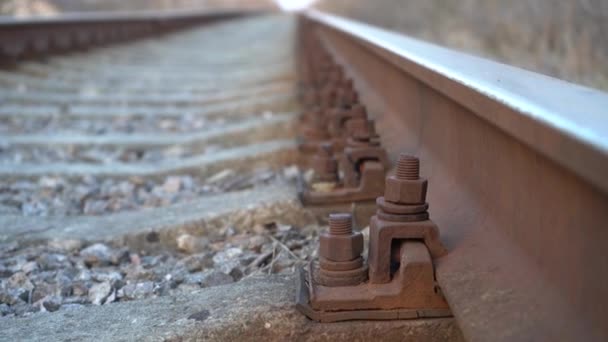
{"points": [[192, 244], [172, 184], [97, 254], [99, 292], [228, 260], [138, 291], [66, 245]]}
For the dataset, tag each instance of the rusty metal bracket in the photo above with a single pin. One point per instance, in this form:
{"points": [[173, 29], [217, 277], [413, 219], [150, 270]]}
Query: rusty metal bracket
{"points": [[303, 286], [398, 282], [369, 186]]}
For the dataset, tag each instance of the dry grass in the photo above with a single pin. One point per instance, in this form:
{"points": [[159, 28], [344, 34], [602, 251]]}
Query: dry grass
{"points": [[566, 39]]}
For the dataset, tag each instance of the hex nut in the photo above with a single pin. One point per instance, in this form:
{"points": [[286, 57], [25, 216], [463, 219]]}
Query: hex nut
{"points": [[340, 247], [342, 278], [405, 191], [329, 265]]}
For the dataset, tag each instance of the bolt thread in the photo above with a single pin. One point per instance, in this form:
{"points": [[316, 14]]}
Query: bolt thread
{"points": [[408, 167], [340, 224]]}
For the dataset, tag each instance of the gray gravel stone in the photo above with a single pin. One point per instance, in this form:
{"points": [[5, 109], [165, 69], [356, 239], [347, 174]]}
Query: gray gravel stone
{"points": [[53, 261], [14, 264], [111, 276], [197, 262], [80, 289], [178, 274], [5, 271], [51, 303], [20, 280], [137, 273], [215, 278], [84, 275], [29, 267], [5, 310], [138, 290], [44, 290], [92, 207], [10, 296], [228, 260]]}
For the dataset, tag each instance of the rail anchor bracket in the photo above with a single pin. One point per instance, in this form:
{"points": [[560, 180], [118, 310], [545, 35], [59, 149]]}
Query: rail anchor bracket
{"points": [[411, 294], [397, 281]]}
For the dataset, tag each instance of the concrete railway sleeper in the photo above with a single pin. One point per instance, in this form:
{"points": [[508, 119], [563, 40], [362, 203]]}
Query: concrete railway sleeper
{"points": [[217, 184]]}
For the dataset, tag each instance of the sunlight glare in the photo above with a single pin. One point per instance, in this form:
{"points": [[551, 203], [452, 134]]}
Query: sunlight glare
{"points": [[294, 5]]}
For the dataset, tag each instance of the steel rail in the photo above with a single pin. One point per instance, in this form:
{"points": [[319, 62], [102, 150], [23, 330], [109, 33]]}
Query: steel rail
{"points": [[32, 37], [517, 165]]}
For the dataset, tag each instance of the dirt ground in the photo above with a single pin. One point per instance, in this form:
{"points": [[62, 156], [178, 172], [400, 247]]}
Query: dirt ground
{"points": [[564, 39]]}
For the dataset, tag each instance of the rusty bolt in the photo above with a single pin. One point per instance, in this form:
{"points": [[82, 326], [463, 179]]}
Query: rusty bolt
{"points": [[340, 251], [315, 119], [406, 186], [327, 97], [358, 128], [324, 163], [362, 130], [347, 84], [358, 111], [351, 97], [335, 75], [347, 97], [341, 243]]}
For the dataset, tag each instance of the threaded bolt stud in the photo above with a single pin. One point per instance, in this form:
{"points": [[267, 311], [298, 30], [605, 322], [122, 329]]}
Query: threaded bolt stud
{"points": [[340, 224], [408, 167]]}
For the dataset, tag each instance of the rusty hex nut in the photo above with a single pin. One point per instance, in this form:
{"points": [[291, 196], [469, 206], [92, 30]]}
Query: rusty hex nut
{"points": [[322, 164], [404, 191], [340, 247], [323, 161]]}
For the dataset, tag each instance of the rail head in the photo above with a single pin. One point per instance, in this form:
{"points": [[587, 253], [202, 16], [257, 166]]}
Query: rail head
{"points": [[518, 164], [562, 121]]}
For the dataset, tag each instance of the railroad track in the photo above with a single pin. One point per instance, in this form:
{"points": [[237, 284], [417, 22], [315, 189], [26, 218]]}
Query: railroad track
{"points": [[176, 186]]}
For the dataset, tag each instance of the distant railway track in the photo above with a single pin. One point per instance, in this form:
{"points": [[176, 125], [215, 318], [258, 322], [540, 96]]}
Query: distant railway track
{"points": [[158, 144]]}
